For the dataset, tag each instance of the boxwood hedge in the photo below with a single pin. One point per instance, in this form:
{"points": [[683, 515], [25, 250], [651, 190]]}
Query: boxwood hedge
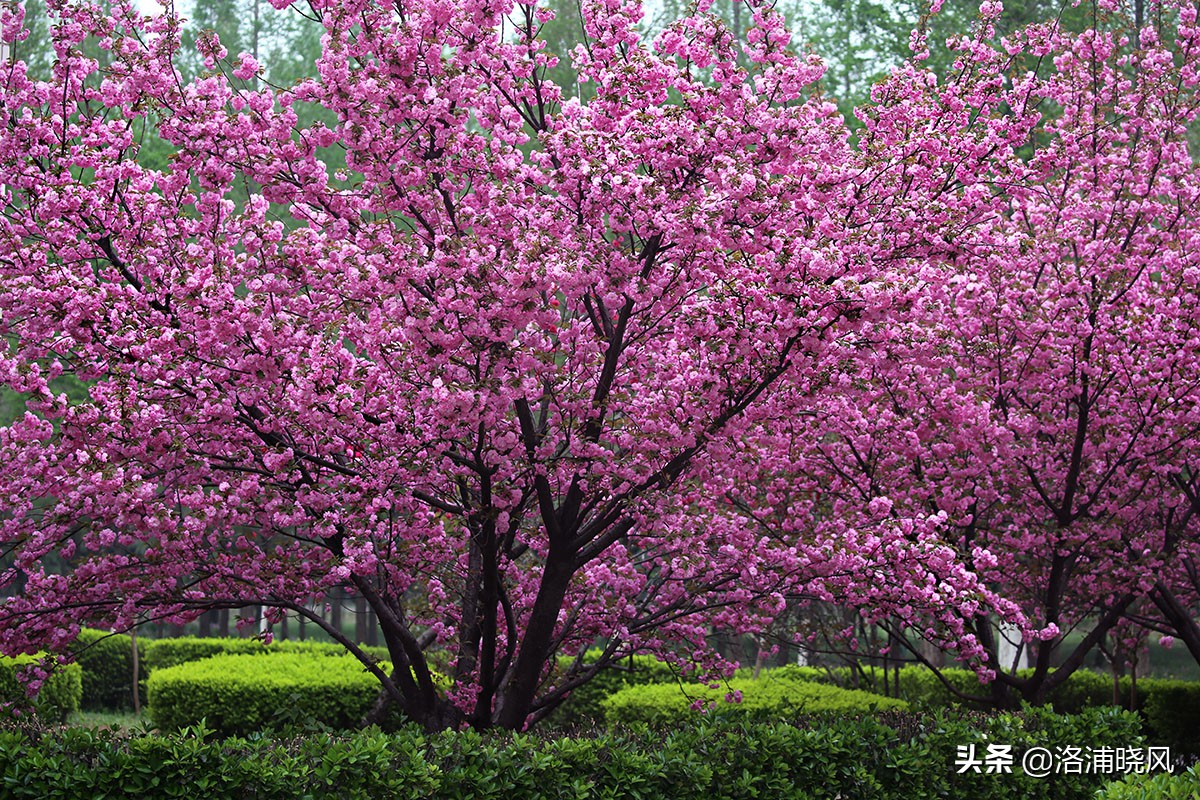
{"points": [[162, 653], [1163, 786], [239, 694], [764, 699], [107, 663], [897, 756], [585, 706], [1170, 708], [107, 660]]}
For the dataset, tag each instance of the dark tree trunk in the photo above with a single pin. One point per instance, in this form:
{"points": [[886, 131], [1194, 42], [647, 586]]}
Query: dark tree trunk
{"points": [[360, 619], [1178, 617]]}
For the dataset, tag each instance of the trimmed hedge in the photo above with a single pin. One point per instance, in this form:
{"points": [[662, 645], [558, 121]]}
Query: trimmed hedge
{"points": [[240, 694], [919, 687], [585, 706], [765, 699], [1180, 786], [163, 653], [107, 662], [1172, 711], [898, 757], [58, 697], [1171, 708]]}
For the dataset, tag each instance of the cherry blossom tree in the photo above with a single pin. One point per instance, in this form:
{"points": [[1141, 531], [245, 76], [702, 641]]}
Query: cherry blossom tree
{"points": [[512, 372], [1041, 390], [473, 375]]}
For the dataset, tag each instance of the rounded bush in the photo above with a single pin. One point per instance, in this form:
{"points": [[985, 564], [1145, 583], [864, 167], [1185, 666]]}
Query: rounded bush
{"points": [[239, 694], [1172, 709], [107, 662], [584, 706]]}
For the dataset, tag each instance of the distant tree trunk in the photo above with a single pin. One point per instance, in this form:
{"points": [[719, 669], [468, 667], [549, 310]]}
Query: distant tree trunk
{"points": [[360, 619], [223, 623], [205, 622], [760, 658], [336, 597], [372, 628], [932, 653], [1179, 617], [133, 646]]}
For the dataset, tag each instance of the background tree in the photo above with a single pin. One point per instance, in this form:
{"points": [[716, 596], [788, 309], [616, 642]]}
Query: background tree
{"points": [[1041, 391]]}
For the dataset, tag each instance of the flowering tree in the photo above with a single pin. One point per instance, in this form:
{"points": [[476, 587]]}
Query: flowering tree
{"points": [[499, 373], [471, 376], [1041, 391]]}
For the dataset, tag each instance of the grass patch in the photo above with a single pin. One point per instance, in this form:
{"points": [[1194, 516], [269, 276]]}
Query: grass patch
{"points": [[98, 720]]}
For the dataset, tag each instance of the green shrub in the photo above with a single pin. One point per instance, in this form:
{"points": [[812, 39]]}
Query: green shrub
{"points": [[891, 756], [1086, 689], [919, 687], [1170, 708], [765, 699], [1172, 711], [1180, 786], [59, 695], [107, 663], [584, 706], [239, 694], [162, 653]]}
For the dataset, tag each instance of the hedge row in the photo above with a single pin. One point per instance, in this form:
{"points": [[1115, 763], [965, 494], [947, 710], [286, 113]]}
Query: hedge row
{"points": [[240, 694], [1170, 707], [107, 660], [764, 700], [59, 696], [585, 705], [898, 757], [163, 653]]}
